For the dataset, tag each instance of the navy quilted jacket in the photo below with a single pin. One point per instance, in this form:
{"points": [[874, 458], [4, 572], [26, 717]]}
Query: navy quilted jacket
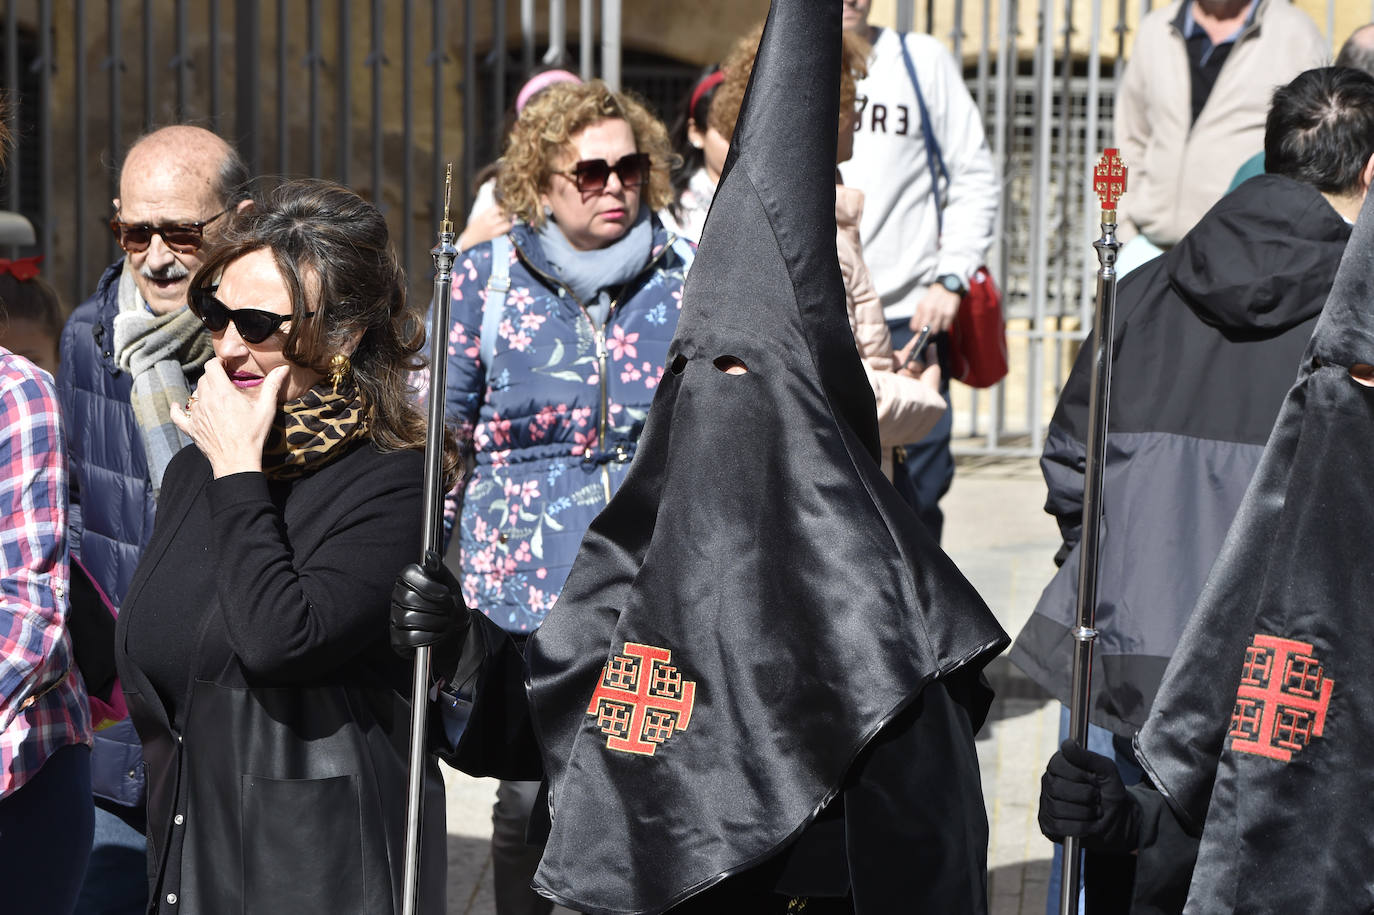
{"points": [[553, 421], [112, 497], [112, 507]]}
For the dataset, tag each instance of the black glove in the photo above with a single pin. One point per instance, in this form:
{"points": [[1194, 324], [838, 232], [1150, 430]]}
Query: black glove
{"points": [[427, 608], [1081, 794]]}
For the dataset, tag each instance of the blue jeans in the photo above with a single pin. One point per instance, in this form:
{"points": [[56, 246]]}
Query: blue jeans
{"points": [[924, 477], [45, 833], [117, 876]]}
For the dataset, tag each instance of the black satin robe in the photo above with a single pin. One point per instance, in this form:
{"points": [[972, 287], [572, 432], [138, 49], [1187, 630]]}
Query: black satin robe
{"points": [[759, 575], [1261, 734]]}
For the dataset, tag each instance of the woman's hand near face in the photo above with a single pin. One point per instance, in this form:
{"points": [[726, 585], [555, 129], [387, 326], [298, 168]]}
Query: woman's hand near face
{"points": [[230, 425]]}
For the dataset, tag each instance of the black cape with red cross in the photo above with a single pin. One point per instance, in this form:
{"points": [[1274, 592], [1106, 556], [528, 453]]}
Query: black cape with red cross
{"points": [[1262, 732], [756, 623]]}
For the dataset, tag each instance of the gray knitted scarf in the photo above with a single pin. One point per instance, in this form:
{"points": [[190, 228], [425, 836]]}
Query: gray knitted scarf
{"points": [[592, 274], [160, 352]]}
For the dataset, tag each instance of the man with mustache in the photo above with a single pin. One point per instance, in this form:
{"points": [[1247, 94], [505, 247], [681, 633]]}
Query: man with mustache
{"points": [[128, 353]]}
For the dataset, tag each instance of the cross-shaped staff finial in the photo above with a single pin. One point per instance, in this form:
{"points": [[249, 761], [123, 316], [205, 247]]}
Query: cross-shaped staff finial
{"points": [[1109, 180]]}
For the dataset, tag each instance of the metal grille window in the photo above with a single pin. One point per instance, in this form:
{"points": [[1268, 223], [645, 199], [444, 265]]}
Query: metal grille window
{"points": [[1071, 201], [380, 94], [20, 66]]}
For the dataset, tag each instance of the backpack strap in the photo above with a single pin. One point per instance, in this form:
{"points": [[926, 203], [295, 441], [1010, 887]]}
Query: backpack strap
{"points": [[498, 284], [935, 160], [684, 250]]}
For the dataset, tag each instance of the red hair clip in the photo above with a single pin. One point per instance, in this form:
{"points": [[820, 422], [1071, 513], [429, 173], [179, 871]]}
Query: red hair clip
{"points": [[23, 269]]}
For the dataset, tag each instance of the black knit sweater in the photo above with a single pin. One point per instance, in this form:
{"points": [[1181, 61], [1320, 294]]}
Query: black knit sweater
{"points": [[278, 582]]}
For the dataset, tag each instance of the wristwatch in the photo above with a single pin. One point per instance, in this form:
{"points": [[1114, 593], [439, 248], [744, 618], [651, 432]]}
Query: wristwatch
{"points": [[953, 282]]}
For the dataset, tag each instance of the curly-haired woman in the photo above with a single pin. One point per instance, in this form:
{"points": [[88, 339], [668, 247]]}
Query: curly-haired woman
{"points": [[560, 333]]}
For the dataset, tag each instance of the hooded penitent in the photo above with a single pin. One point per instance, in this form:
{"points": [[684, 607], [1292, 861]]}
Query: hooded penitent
{"points": [[1261, 734], [756, 604]]}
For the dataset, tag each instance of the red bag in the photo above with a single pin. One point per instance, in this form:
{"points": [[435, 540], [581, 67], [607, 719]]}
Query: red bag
{"points": [[978, 336]]}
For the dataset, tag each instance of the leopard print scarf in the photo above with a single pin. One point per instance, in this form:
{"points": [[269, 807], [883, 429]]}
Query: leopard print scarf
{"points": [[314, 430]]}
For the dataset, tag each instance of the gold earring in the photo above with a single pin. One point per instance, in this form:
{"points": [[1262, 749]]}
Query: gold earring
{"points": [[340, 367]]}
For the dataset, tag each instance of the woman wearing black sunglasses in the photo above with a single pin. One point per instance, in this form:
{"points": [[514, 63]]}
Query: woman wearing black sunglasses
{"points": [[560, 333], [253, 645]]}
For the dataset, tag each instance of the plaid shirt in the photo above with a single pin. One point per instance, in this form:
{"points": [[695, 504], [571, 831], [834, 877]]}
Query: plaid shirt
{"points": [[42, 698]]}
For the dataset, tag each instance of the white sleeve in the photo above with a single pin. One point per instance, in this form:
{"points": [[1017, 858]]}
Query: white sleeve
{"points": [[484, 200], [972, 194]]}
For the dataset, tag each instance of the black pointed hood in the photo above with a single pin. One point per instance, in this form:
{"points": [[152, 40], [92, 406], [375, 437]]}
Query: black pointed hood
{"points": [[1261, 730], [779, 180], [756, 602]]}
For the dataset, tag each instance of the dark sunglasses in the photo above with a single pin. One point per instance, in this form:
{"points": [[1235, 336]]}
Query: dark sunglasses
{"points": [[591, 175], [254, 325], [183, 238]]}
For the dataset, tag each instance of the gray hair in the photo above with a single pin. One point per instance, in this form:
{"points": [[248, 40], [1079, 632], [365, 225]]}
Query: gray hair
{"points": [[1358, 50]]}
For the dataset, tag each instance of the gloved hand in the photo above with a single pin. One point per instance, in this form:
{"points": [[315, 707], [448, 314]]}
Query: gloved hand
{"points": [[427, 608], [1081, 794]]}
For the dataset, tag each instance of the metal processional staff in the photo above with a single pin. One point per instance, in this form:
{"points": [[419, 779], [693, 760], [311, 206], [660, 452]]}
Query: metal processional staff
{"points": [[1109, 183], [444, 254]]}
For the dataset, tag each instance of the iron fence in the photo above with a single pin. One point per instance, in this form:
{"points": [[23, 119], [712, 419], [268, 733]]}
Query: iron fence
{"points": [[376, 94], [380, 94]]}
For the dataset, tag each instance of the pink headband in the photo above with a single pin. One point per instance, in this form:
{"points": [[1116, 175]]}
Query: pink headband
{"points": [[708, 82], [541, 81]]}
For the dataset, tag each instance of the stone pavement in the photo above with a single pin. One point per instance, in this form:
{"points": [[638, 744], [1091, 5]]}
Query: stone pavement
{"points": [[998, 534]]}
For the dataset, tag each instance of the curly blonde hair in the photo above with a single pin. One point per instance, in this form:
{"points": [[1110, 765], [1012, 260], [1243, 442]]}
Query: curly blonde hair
{"points": [[544, 133], [730, 96]]}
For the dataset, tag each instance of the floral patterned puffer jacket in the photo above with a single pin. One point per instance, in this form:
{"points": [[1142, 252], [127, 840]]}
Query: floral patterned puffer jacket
{"points": [[553, 420]]}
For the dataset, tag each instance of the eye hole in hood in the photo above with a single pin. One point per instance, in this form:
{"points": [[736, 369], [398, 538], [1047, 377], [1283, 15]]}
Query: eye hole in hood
{"points": [[731, 365]]}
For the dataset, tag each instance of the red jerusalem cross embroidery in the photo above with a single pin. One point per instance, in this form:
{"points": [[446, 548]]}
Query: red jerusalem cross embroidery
{"points": [[1282, 700], [641, 701], [1109, 179]]}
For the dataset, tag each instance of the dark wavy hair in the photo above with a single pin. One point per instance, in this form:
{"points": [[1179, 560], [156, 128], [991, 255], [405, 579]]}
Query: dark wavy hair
{"points": [[335, 257], [32, 300], [1320, 129]]}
